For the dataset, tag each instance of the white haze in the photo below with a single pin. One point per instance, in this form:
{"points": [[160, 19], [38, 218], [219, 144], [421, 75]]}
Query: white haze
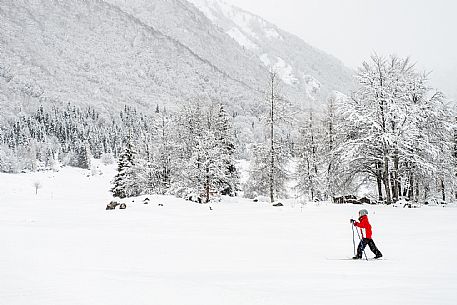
{"points": [[353, 29]]}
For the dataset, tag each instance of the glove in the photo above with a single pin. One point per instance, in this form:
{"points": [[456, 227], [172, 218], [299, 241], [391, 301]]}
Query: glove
{"points": [[352, 220]]}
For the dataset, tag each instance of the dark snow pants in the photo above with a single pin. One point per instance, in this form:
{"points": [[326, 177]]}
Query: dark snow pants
{"points": [[367, 241]]}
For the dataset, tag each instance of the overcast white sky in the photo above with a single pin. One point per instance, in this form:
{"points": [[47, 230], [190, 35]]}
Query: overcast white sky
{"points": [[351, 30]]}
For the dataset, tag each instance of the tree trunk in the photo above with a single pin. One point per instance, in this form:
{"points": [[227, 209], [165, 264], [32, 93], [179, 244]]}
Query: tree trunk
{"points": [[330, 149], [313, 156], [395, 188], [382, 106], [310, 179], [386, 181], [329, 182], [207, 184], [272, 179], [443, 190], [272, 160], [426, 189], [411, 187], [207, 189], [379, 181]]}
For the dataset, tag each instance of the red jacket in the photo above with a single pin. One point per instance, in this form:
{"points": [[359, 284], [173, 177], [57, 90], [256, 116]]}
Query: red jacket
{"points": [[364, 224]]}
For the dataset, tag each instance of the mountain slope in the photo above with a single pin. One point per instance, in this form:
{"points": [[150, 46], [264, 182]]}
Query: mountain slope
{"points": [[299, 64], [90, 52], [147, 53], [243, 45], [185, 23]]}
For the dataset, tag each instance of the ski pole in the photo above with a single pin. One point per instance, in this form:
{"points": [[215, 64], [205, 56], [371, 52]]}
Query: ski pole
{"points": [[361, 242], [353, 239]]}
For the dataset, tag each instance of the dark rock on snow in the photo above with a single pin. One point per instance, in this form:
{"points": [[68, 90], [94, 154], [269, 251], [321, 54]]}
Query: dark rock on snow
{"points": [[112, 205]]}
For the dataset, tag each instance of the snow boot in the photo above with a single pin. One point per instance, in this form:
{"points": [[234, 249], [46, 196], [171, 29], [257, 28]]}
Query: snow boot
{"points": [[379, 255], [357, 257]]}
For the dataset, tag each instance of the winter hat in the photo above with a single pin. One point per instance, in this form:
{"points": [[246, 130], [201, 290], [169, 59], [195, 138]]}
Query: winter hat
{"points": [[363, 212]]}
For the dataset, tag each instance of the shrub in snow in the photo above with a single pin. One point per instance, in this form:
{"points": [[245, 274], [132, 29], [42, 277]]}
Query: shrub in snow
{"points": [[434, 201], [365, 200], [93, 170], [178, 191], [194, 197], [107, 158], [261, 199], [350, 199], [67, 158]]}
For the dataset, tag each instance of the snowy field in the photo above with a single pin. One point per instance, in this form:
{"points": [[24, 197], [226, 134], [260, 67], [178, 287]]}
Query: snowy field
{"points": [[62, 247]]}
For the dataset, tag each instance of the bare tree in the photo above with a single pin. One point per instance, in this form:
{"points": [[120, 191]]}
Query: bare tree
{"points": [[273, 97], [37, 185], [274, 155]]}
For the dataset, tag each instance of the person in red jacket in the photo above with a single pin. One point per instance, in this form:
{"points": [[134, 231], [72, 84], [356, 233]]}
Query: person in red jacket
{"points": [[364, 224]]}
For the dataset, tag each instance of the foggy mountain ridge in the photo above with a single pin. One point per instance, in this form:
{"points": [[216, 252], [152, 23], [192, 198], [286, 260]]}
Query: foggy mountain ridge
{"points": [[298, 63]]}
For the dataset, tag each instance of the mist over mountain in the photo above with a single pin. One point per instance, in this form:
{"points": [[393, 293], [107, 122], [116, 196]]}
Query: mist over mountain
{"points": [[298, 64]]}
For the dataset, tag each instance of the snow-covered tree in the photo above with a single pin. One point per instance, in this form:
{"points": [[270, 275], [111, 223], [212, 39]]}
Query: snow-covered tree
{"points": [[224, 135], [268, 161], [331, 140], [83, 156], [206, 166], [159, 155], [259, 182], [204, 149], [395, 127], [127, 177], [164, 152], [310, 174]]}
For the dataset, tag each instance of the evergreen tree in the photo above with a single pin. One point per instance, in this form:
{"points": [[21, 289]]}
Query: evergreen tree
{"points": [[127, 177], [205, 132], [207, 167], [164, 153], [83, 156], [224, 136]]}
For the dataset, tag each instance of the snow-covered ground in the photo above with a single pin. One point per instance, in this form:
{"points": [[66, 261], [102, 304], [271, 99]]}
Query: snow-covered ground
{"points": [[62, 247]]}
